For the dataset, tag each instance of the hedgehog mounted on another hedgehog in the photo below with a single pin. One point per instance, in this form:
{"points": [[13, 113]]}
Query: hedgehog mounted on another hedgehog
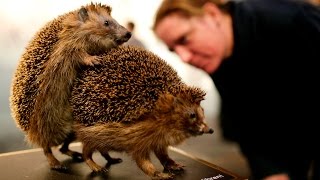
{"points": [[42, 83], [132, 101], [135, 103]]}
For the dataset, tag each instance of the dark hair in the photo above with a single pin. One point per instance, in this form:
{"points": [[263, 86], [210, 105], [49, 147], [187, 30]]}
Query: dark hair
{"points": [[186, 7]]}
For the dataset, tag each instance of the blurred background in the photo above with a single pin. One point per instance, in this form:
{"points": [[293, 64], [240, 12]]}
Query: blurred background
{"points": [[21, 19]]}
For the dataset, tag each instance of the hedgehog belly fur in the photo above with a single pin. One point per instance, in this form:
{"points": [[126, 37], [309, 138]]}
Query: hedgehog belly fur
{"points": [[25, 83]]}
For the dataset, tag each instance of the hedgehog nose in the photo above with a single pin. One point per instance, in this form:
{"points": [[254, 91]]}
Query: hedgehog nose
{"points": [[210, 131], [128, 35]]}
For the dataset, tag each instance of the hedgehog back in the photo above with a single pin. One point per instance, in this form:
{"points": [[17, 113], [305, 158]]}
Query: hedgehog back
{"points": [[125, 86], [24, 86]]}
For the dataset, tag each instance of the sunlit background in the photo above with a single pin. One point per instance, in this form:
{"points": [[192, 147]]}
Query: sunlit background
{"points": [[19, 20]]}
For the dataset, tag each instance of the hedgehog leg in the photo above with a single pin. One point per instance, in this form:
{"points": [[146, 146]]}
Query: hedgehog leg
{"points": [[87, 155], [168, 164], [145, 164], [65, 148], [53, 162], [110, 159]]}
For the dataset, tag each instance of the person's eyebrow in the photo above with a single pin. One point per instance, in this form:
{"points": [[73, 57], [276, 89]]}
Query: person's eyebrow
{"points": [[180, 40]]}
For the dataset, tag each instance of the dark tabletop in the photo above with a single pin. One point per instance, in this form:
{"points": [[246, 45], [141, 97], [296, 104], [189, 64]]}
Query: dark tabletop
{"points": [[32, 164]]}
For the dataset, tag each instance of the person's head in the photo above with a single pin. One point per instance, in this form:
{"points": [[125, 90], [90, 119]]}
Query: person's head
{"points": [[200, 31]]}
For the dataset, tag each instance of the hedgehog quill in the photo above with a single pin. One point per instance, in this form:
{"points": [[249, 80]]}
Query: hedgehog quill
{"points": [[46, 71], [135, 103]]}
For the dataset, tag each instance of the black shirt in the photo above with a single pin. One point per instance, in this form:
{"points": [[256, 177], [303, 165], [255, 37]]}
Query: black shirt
{"points": [[269, 87]]}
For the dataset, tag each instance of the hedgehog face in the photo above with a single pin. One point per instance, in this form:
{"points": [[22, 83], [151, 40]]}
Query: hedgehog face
{"points": [[193, 119], [115, 31], [102, 28], [184, 113]]}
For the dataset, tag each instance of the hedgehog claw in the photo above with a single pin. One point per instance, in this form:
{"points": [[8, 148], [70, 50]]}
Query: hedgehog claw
{"points": [[160, 175], [174, 168], [92, 60]]}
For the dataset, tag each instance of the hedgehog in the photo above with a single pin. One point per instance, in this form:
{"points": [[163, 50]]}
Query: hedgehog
{"points": [[42, 82], [135, 103]]}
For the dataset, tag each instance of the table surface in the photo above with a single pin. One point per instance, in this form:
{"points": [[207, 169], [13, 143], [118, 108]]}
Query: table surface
{"points": [[32, 164]]}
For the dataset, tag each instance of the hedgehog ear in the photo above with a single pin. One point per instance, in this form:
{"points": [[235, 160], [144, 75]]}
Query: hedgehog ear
{"points": [[83, 14], [198, 100], [165, 103], [178, 100]]}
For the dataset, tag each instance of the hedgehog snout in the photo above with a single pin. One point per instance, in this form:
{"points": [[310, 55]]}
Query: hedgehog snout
{"points": [[210, 131], [124, 39], [200, 129], [204, 129], [128, 35]]}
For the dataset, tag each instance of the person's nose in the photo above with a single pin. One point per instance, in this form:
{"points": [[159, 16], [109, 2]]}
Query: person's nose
{"points": [[183, 53]]}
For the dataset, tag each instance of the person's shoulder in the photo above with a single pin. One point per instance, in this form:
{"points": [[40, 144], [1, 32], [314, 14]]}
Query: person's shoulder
{"points": [[275, 10], [276, 5], [308, 19]]}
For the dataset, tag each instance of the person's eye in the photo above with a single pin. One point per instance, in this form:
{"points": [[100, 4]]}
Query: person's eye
{"points": [[183, 40]]}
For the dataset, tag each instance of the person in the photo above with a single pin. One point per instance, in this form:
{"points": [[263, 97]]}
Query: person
{"points": [[261, 56], [134, 41], [315, 2]]}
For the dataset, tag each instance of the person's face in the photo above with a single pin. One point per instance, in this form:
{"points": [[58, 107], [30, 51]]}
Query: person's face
{"points": [[199, 41]]}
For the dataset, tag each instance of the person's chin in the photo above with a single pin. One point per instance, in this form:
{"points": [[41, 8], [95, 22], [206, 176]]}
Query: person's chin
{"points": [[210, 69], [213, 67]]}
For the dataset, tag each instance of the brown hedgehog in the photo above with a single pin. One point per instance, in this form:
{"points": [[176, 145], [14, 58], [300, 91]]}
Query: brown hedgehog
{"points": [[42, 83], [135, 103]]}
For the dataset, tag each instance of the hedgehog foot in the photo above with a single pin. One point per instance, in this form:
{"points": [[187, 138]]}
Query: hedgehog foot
{"points": [[53, 162], [173, 167], [91, 60], [75, 155], [65, 148], [168, 164], [160, 175], [95, 167], [110, 159], [87, 155]]}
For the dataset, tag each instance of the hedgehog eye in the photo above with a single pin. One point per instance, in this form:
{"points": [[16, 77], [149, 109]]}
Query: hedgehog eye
{"points": [[193, 117], [106, 23]]}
